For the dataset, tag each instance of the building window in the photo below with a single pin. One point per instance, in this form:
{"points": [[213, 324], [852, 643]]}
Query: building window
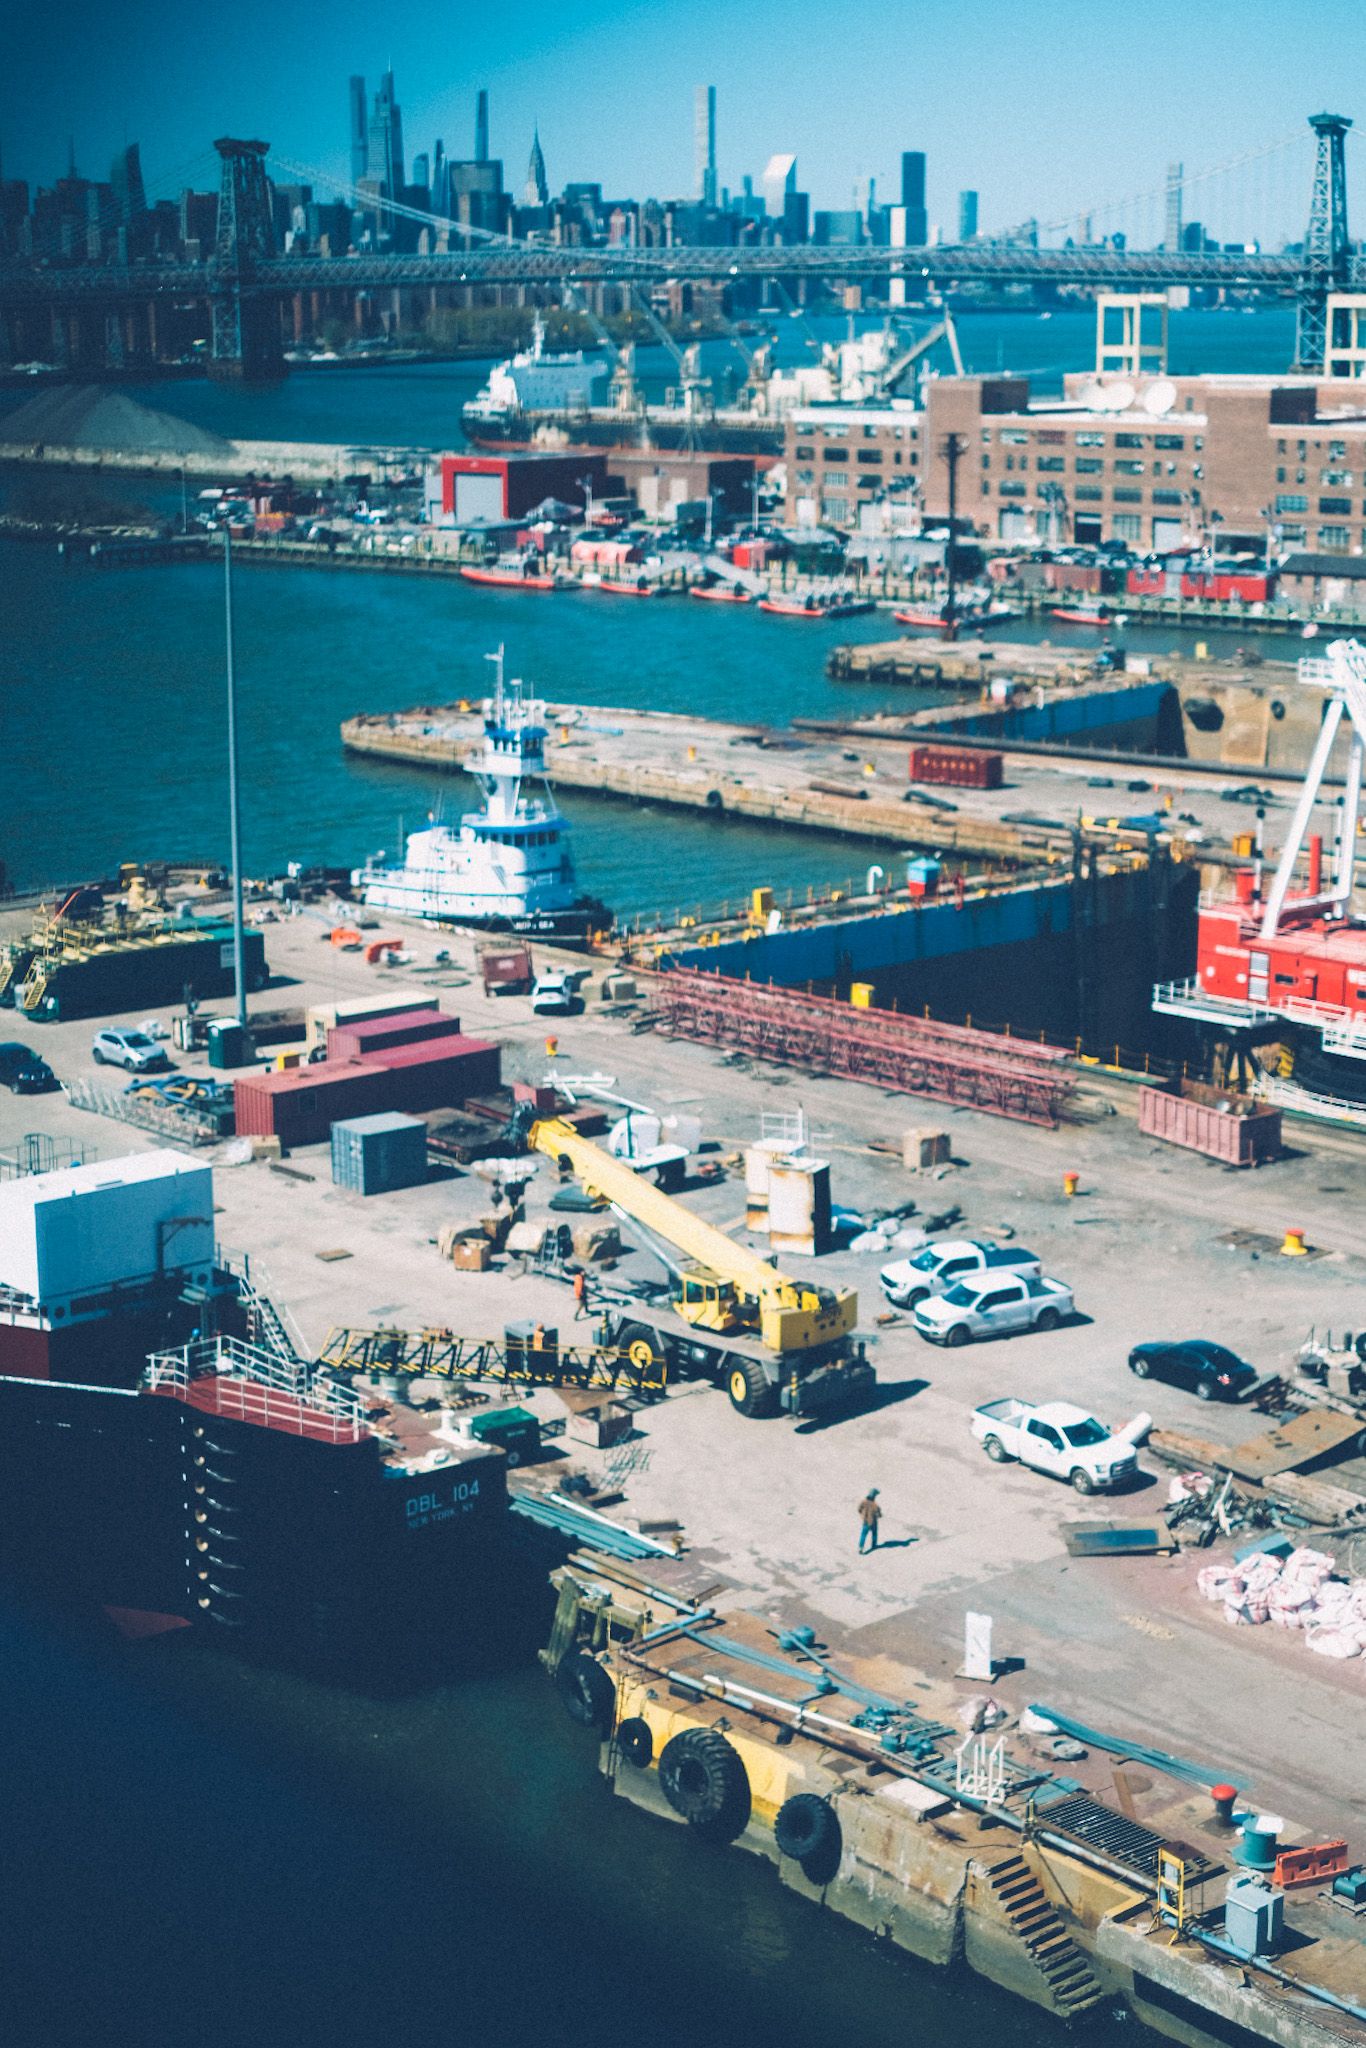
{"points": [[869, 433], [1016, 437], [1166, 497], [1336, 505], [1127, 526], [1052, 462], [1280, 447], [986, 462], [896, 459], [1128, 497], [1010, 490], [837, 510], [1129, 468], [806, 476], [1089, 465], [1169, 440], [1343, 478], [1299, 476], [866, 455], [1336, 450], [836, 479], [1051, 437], [1090, 493], [986, 433], [1335, 540], [1280, 476], [1128, 440], [804, 454], [986, 487], [1088, 440], [1293, 535], [1291, 501], [837, 454]]}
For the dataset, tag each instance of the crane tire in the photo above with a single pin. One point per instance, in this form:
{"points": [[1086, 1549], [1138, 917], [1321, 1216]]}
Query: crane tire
{"points": [[635, 1740], [751, 1392], [588, 1693], [704, 1782]]}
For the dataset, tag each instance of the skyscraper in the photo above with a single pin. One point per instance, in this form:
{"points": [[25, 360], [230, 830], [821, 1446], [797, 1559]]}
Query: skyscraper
{"points": [[481, 128], [125, 176], [967, 216], [913, 198], [1176, 177], [536, 192], [386, 140], [360, 141], [704, 143], [441, 180]]}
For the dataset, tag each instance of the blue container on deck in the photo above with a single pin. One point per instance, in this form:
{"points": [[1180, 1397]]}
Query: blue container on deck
{"points": [[373, 1155]]}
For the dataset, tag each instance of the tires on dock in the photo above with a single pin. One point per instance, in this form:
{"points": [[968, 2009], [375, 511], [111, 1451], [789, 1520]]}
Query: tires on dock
{"points": [[705, 1783], [807, 1829]]}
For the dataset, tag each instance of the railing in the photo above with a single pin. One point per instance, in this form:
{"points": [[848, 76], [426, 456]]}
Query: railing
{"points": [[224, 1376]]}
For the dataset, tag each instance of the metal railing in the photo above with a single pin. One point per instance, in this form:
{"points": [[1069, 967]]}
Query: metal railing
{"points": [[225, 1376]]}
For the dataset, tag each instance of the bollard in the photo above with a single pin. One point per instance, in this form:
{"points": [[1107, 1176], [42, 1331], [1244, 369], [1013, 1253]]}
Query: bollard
{"points": [[1224, 1798], [1070, 1184], [1294, 1246], [552, 1048]]}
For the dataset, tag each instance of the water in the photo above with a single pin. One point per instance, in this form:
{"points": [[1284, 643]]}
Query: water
{"points": [[228, 1854]]}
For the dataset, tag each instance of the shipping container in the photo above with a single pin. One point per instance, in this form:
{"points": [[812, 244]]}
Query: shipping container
{"points": [[506, 969], [437, 1073], [322, 1017], [300, 1105], [799, 1206], [357, 1039], [83, 1229], [1236, 1129], [373, 1155], [960, 767], [1087, 576]]}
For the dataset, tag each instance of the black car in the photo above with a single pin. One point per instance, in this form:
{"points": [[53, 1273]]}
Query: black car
{"points": [[1208, 1369], [23, 1071]]}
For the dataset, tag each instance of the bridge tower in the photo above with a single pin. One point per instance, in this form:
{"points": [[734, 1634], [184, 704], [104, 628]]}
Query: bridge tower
{"points": [[1327, 263], [246, 324]]}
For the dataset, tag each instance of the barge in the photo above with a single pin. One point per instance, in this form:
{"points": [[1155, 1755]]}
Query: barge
{"points": [[877, 1795]]}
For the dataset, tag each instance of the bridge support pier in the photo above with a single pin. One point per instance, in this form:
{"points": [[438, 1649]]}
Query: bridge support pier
{"points": [[245, 325]]}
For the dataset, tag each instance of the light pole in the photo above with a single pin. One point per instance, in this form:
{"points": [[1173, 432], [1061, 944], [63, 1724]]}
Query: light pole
{"points": [[239, 978], [586, 482], [184, 506]]}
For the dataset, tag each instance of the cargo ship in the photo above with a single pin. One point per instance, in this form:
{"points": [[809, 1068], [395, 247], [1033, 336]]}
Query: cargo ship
{"points": [[506, 867]]}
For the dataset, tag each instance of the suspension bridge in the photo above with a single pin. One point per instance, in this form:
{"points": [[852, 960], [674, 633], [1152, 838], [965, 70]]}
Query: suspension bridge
{"points": [[244, 279]]}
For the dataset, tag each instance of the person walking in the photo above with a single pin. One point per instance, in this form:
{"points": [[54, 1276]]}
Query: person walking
{"points": [[581, 1307], [869, 1514]]}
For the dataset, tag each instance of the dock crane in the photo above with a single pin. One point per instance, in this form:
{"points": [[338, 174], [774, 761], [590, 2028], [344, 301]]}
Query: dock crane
{"points": [[772, 1341]]}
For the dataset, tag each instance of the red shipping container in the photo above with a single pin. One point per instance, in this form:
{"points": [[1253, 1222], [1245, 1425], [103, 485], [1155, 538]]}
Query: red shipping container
{"points": [[1234, 1128], [962, 767], [437, 1073], [300, 1105], [1086, 576], [356, 1039]]}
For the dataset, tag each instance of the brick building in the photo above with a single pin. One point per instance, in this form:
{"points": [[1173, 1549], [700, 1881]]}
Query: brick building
{"points": [[1155, 462]]}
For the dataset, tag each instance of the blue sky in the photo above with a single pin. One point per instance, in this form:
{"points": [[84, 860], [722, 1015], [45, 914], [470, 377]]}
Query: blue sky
{"points": [[1046, 109]]}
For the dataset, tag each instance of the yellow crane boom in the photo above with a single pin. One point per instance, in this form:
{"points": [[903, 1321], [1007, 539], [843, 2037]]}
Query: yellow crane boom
{"points": [[724, 1286]]}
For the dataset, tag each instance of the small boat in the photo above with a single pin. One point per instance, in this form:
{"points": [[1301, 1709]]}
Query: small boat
{"points": [[721, 593], [617, 587], [795, 607], [934, 621], [512, 577], [1084, 614]]}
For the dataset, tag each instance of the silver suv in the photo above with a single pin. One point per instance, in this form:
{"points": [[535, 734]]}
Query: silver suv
{"points": [[131, 1049]]}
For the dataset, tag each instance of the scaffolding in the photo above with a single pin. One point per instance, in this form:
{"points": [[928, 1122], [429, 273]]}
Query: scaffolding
{"points": [[910, 1055]]}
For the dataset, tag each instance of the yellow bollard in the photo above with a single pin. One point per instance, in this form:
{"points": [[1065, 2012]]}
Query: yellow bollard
{"points": [[1294, 1246], [552, 1048], [861, 995], [1070, 1183]]}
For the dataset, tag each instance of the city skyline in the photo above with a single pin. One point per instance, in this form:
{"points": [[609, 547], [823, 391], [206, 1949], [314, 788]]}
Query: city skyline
{"points": [[978, 125]]}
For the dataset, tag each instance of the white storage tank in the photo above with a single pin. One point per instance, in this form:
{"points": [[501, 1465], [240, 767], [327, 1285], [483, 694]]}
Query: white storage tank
{"points": [[799, 1206], [114, 1224]]}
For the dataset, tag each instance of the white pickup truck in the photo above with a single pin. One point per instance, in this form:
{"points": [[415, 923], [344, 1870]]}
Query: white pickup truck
{"points": [[1061, 1440], [992, 1305], [934, 1270]]}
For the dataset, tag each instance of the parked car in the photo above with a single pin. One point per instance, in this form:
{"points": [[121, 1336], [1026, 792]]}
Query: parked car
{"points": [[935, 1269], [556, 995], [131, 1049], [1208, 1369], [1058, 1439], [25, 1072], [988, 1306]]}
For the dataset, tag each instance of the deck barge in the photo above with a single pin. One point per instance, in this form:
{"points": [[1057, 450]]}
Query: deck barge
{"points": [[864, 1785]]}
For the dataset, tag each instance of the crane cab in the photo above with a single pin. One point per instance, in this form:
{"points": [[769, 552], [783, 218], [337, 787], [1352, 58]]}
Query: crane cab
{"points": [[708, 1302]]}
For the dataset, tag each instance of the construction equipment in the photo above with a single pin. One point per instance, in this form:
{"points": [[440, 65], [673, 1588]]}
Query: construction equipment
{"points": [[534, 1358], [787, 1342]]}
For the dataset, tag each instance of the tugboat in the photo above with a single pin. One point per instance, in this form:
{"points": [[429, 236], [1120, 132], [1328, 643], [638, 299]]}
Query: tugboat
{"points": [[506, 867]]}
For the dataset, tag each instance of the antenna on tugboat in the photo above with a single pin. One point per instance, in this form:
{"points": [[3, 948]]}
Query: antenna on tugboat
{"points": [[497, 659]]}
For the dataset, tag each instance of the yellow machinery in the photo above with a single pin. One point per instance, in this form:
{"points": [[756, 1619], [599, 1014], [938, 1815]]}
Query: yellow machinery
{"points": [[804, 1357]]}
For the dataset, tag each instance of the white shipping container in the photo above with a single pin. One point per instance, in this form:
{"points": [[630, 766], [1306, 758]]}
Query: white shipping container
{"points": [[799, 1206], [123, 1221]]}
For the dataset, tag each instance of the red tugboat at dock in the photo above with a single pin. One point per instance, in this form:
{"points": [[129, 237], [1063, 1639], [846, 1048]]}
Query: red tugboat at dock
{"points": [[510, 576], [1289, 967]]}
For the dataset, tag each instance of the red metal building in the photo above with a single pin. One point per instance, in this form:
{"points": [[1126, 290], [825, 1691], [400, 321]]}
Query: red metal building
{"points": [[496, 487]]}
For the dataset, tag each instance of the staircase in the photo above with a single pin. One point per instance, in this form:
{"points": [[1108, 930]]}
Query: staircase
{"points": [[268, 1327], [1064, 1968]]}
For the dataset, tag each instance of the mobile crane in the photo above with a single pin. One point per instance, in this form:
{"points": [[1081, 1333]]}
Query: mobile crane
{"points": [[771, 1341]]}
